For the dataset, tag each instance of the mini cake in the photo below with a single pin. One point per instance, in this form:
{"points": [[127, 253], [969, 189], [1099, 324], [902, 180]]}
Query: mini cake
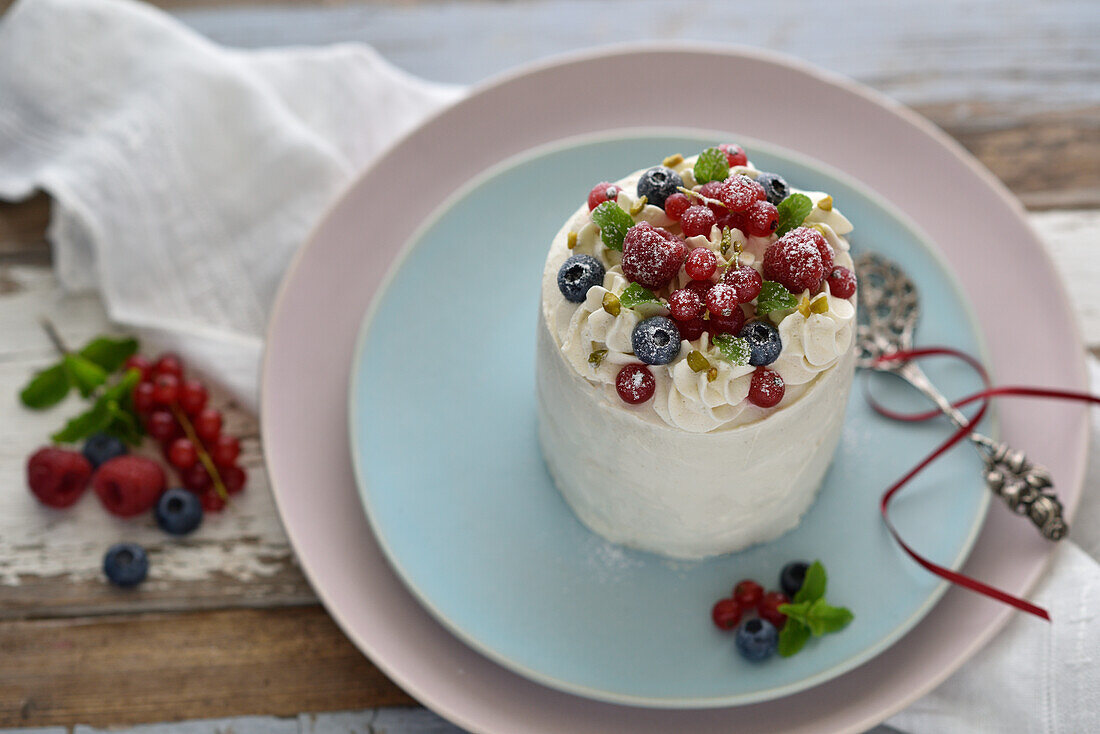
{"points": [[695, 354]]}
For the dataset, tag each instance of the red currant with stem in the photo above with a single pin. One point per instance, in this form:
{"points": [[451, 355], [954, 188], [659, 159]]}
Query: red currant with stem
{"points": [[726, 613], [161, 425], [635, 384], [196, 479], [842, 282], [139, 363], [685, 304], [208, 424], [746, 280], [696, 221], [722, 300], [739, 192], [676, 205], [762, 218], [225, 450], [182, 454], [166, 389], [192, 396], [768, 608], [601, 192], [701, 263], [748, 593], [143, 397], [234, 478], [169, 364], [700, 287], [735, 154], [211, 502], [766, 389]]}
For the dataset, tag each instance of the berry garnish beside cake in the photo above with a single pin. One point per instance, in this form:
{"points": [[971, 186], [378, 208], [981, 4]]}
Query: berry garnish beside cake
{"points": [[695, 354]]}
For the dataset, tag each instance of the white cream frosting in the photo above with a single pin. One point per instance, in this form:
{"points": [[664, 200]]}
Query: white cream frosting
{"points": [[697, 470]]}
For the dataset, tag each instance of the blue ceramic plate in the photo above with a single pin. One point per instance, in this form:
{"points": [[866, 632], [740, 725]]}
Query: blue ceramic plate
{"points": [[443, 435]]}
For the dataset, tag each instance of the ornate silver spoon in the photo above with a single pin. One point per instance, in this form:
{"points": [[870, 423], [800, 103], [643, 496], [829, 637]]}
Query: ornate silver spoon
{"points": [[888, 311]]}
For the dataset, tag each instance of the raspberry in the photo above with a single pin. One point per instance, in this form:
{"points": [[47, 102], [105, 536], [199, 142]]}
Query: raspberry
{"points": [[701, 263], [652, 256], [208, 424], [746, 281], [697, 220], [748, 593], [182, 454], [635, 384], [812, 236], [168, 364], [739, 192], [726, 614], [57, 477], [766, 388], [192, 396], [676, 205], [234, 478], [842, 282], [161, 425], [166, 389], [601, 192], [794, 262], [139, 363], [762, 218], [685, 305], [735, 154], [692, 329], [722, 301], [768, 608], [225, 450], [731, 324], [143, 397], [129, 485]]}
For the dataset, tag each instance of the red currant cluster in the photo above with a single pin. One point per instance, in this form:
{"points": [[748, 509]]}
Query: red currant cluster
{"points": [[175, 414], [749, 596]]}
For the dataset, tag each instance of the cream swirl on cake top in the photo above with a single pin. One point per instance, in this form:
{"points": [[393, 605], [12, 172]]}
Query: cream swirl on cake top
{"points": [[596, 342]]}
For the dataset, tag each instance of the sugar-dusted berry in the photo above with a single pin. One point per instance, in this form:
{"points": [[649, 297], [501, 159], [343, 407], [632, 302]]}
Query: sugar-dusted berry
{"points": [[577, 275], [652, 256], [766, 388], [701, 262], [764, 342], [57, 477], [601, 192], [739, 192], [676, 205], [761, 218], [697, 220], [726, 613], [659, 183], [794, 261], [635, 384], [842, 282], [746, 280], [685, 304], [722, 300], [656, 340], [735, 154]]}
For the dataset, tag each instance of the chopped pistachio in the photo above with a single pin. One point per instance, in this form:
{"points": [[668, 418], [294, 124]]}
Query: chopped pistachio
{"points": [[636, 209], [697, 362], [571, 240], [596, 358], [820, 304], [673, 160], [611, 303], [819, 228], [712, 374], [826, 204], [804, 306]]}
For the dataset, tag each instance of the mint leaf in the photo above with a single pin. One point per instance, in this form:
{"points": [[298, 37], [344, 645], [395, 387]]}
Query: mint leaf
{"points": [[823, 618], [792, 637], [635, 295], [613, 223], [84, 374], [792, 212], [91, 421], [711, 165], [123, 425], [813, 585], [774, 297], [109, 353], [797, 612], [48, 387], [122, 389], [733, 348]]}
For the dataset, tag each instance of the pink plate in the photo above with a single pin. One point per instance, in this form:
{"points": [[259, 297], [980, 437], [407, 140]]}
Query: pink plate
{"points": [[979, 227]]}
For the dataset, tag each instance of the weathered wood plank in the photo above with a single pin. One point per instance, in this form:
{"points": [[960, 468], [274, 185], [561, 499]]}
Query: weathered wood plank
{"points": [[134, 669]]}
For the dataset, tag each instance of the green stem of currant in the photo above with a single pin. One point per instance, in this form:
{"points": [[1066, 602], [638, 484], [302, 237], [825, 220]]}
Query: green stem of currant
{"points": [[204, 457]]}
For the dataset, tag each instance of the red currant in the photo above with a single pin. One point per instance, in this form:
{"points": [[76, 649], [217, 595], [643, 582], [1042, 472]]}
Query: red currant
{"points": [[739, 192], [731, 324], [168, 364], [192, 396], [601, 192], [139, 363], [700, 288], [211, 502], [225, 450], [768, 608], [842, 282], [748, 593], [735, 154], [746, 280], [635, 384], [701, 263], [208, 424], [733, 220], [726, 614], [762, 218], [697, 220], [722, 301], [685, 304], [692, 329], [143, 397], [766, 388], [676, 205], [182, 453], [195, 478], [161, 425], [234, 479], [166, 389]]}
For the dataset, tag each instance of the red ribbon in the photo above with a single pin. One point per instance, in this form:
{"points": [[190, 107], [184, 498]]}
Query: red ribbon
{"points": [[959, 434]]}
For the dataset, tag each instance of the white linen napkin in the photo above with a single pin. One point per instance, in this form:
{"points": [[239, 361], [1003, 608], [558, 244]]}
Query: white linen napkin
{"points": [[185, 175]]}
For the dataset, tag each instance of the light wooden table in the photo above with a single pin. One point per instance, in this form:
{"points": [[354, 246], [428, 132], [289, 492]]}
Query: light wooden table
{"points": [[228, 626]]}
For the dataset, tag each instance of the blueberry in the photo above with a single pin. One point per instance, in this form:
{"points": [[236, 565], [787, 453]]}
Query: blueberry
{"points": [[775, 187], [764, 342], [657, 184], [100, 448], [792, 576], [178, 511], [577, 275], [656, 340], [126, 564], [756, 639]]}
